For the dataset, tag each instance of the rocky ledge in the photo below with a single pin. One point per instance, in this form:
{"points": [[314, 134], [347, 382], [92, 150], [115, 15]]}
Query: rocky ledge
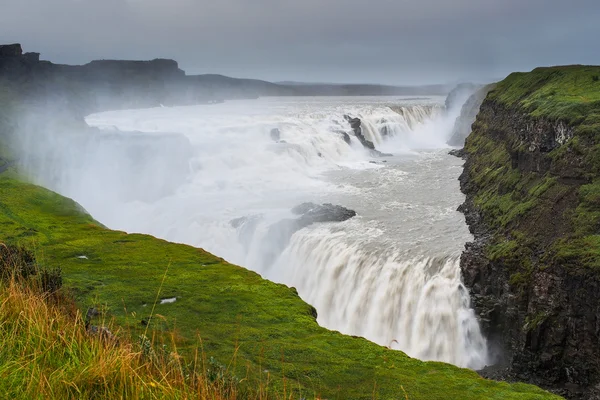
{"points": [[356, 126]]}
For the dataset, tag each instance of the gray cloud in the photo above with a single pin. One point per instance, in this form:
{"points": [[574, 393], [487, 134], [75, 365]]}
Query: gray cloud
{"points": [[387, 41]]}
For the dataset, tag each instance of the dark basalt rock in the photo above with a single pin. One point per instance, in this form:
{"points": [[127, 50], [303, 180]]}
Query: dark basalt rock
{"points": [[385, 130], [32, 57], [460, 153], [356, 125], [345, 136], [312, 213], [544, 328], [11, 50], [280, 233]]}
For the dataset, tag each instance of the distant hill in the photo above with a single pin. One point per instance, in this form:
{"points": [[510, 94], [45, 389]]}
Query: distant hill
{"points": [[118, 84]]}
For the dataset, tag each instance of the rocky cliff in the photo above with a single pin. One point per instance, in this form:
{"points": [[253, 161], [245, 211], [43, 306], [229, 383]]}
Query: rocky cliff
{"points": [[532, 181]]}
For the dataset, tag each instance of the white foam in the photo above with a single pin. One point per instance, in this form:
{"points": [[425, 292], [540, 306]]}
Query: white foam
{"points": [[371, 276]]}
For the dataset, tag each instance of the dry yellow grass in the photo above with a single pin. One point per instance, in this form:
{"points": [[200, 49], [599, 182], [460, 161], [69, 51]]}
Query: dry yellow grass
{"points": [[47, 352]]}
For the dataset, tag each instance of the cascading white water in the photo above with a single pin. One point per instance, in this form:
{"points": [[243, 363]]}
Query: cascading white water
{"points": [[416, 304], [391, 274]]}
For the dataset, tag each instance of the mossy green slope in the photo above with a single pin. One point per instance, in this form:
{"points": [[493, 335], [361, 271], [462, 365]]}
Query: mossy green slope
{"points": [[569, 93], [234, 311]]}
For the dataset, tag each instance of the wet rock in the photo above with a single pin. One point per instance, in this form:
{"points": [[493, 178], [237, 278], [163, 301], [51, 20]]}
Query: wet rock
{"points": [[312, 213], [356, 125], [345, 136], [354, 122], [460, 153], [279, 234]]}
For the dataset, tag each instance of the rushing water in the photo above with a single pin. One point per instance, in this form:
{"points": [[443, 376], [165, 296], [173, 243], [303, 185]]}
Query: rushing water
{"points": [[391, 274]]}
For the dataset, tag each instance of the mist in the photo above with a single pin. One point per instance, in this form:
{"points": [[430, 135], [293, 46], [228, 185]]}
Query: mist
{"points": [[216, 177]]}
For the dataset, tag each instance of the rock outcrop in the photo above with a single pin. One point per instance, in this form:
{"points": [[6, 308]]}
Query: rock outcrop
{"points": [[345, 137], [11, 50], [280, 233], [356, 125], [311, 213], [532, 184]]}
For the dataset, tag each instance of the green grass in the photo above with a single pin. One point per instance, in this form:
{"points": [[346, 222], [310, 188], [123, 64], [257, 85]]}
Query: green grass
{"points": [[260, 330], [567, 93], [46, 352]]}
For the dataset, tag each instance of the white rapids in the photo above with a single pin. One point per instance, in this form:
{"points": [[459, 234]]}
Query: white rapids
{"points": [[391, 274]]}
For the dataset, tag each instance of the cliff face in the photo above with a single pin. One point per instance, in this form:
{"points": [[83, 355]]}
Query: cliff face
{"points": [[532, 181], [468, 113]]}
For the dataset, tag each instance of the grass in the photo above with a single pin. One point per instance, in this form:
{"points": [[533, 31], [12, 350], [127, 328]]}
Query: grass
{"points": [[259, 330], [570, 93], [46, 352]]}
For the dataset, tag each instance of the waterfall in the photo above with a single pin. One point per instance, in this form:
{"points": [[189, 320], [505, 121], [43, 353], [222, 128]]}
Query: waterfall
{"points": [[417, 304], [220, 178]]}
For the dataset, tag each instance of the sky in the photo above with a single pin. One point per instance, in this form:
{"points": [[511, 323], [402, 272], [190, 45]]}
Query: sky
{"points": [[401, 42]]}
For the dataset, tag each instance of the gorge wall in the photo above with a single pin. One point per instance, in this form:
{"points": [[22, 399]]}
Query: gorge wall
{"points": [[532, 181]]}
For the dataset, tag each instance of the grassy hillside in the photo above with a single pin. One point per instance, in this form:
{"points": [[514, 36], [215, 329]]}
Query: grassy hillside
{"points": [[263, 333], [46, 351], [570, 93]]}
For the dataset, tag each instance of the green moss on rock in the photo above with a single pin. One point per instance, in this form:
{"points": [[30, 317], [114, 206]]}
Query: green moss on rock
{"points": [[512, 198], [532, 180]]}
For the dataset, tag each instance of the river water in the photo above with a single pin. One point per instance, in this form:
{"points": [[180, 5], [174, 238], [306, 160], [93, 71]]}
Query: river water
{"points": [[391, 274]]}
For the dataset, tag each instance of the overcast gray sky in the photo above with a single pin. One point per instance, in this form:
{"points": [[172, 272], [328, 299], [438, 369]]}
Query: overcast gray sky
{"points": [[378, 41]]}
